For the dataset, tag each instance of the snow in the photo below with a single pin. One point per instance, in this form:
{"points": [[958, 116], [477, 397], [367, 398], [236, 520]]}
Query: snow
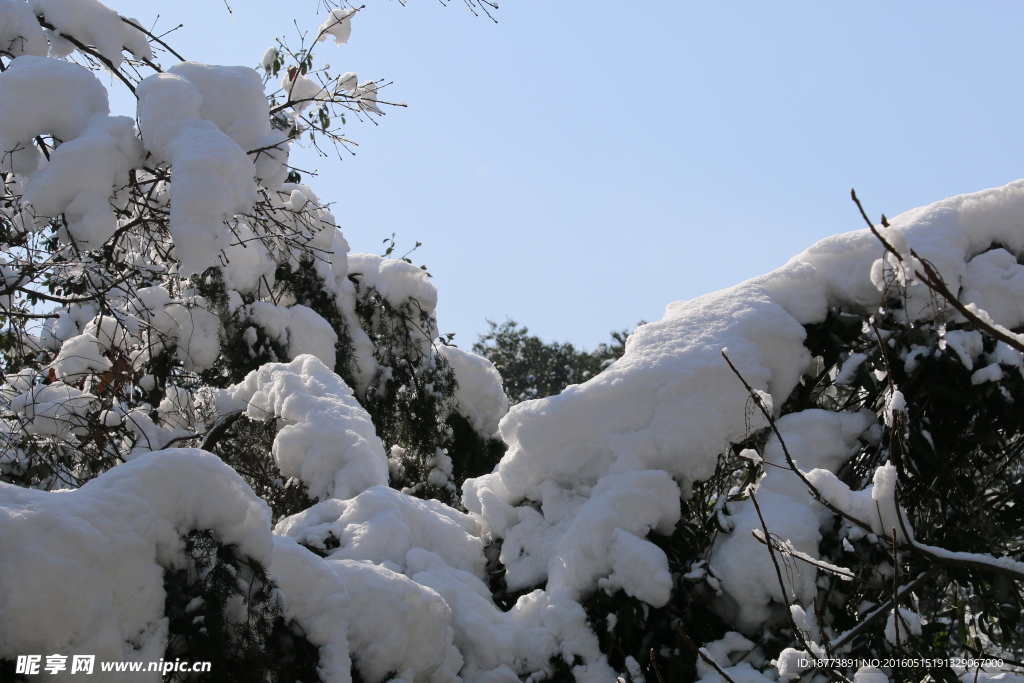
{"points": [[248, 263], [213, 177], [365, 94], [40, 96], [231, 98], [994, 281], [814, 438], [396, 280], [605, 538], [195, 331], [382, 525], [79, 357], [94, 24], [298, 328], [720, 651], [968, 345], [155, 321], [849, 369], [590, 475], [302, 90], [875, 506], [55, 409], [115, 535], [325, 438], [479, 396], [20, 33], [338, 25], [870, 674], [909, 625], [669, 403], [380, 599], [317, 599]]}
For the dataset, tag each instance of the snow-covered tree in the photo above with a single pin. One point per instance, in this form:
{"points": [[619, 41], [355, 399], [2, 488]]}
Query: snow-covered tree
{"points": [[228, 439]]}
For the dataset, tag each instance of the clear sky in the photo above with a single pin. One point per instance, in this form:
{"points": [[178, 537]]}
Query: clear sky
{"points": [[579, 165]]}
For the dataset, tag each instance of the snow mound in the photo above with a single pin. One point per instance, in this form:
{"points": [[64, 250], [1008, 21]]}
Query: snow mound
{"points": [[814, 438], [381, 525], [115, 535], [20, 33], [40, 96], [325, 438], [479, 397], [213, 177], [93, 23], [396, 280]]}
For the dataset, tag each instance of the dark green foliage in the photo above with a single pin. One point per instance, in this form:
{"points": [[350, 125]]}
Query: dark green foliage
{"points": [[957, 451], [646, 633], [239, 356], [956, 448], [411, 395], [224, 609], [472, 454], [306, 287], [246, 446], [531, 368]]}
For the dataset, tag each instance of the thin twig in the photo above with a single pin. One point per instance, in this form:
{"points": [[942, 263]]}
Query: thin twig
{"points": [[157, 39], [703, 654], [882, 609]]}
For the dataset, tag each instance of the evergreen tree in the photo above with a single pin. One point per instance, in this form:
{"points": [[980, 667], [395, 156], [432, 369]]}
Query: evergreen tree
{"points": [[531, 368]]}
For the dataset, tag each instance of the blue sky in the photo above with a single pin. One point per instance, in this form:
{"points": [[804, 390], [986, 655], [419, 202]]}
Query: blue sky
{"points": [[577, 166]]}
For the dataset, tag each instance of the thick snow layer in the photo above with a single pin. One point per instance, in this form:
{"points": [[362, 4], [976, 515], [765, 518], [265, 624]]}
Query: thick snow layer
{"points": [[213, 178], [195, 332], [479, 397], [669, 403], [316, 598], [325, 438], [231, 98], [605, 538], [20, 33], [994, 282], [298, 328], [93, 23], [41, 96], [249, 265], [420, 648], [672, 404], [814, 438], [395, 280], [115, 535], [109, 148], [79, 357], [501, 646], [54, 409], [381, 525]]}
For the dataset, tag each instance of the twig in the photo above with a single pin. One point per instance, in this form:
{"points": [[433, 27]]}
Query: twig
{"points": [[703, 654], [789, 458], [933, 280], [150, 34], [778, 573], [882, 609], [216, 432], [654, 666]]}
